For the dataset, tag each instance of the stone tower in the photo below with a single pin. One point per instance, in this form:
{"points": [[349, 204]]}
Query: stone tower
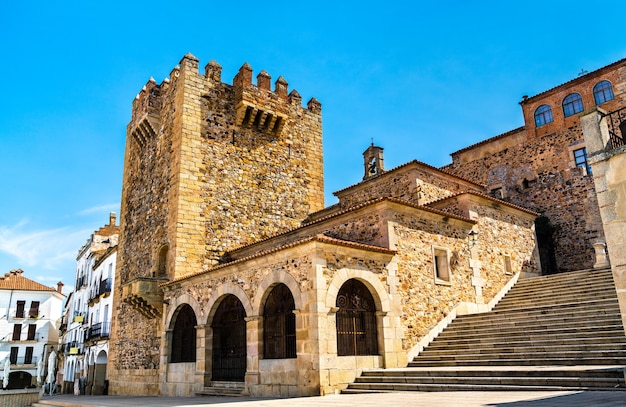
{"points": [[208, 167]]}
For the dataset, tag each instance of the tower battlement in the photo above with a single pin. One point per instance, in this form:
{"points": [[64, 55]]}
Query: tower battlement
{"points": [[257, 105]]}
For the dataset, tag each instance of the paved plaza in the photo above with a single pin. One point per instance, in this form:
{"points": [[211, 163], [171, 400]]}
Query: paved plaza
{"points": [[413, 399]]}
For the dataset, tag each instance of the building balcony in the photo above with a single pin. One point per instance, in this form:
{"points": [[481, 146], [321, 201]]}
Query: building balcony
{"points": [[97, 331], [145, 295], [73, 348], [23, 361]]}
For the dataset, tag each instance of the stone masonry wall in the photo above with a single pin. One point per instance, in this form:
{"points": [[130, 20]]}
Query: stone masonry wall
{"points": [[413, 182], [536, 168], [539, 175]]}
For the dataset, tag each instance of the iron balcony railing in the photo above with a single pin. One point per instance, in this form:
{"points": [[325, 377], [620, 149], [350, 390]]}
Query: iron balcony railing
{"points": [[23, 360], [73, 348], [105, 286], [99, 330], [616, 122]]}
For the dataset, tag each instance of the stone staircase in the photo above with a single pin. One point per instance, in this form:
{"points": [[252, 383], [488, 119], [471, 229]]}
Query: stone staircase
{"points": [[232, 389], [557, 332]]}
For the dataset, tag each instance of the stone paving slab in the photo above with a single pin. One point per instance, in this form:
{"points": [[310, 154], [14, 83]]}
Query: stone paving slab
{"points": [[400, 399]]}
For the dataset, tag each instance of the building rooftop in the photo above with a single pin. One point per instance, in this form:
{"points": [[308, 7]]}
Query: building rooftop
{"points": [[15, 280]]}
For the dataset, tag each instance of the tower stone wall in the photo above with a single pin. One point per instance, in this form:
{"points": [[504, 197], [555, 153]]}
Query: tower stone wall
{"points": [[208, 167]]}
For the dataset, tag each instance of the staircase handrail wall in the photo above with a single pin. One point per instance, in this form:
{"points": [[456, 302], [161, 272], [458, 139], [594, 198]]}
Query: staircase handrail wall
{"points": [[462, 308]]}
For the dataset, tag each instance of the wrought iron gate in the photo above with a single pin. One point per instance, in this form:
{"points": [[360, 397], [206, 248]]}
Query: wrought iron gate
{"points": [[356, 321], [229, 341]]}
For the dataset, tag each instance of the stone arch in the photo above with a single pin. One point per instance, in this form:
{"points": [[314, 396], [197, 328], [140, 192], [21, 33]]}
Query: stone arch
{"points": [[272, 280], [102, 357], [161, 261], [371, 281], [220, 293], [175, 306]]}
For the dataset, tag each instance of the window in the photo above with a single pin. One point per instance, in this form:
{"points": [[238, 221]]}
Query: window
{"points": [[279, 324], [543, 115], [34, 309], [572, 104], [19, 311], [32, 329], [602, 92], [13, 356], [356, 320], [28, 357], [580, 159], [17, 332], [508, 268], [184, 336], [442, 265], [161, 270]]}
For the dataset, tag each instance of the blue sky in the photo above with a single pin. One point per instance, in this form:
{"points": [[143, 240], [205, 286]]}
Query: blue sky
{"points": [[422, 79]]}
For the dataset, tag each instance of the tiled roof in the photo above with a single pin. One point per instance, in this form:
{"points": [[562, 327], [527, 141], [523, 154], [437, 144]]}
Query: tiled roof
{"points": [[488, 197], [14, 280], [410, 163], [318, 238], [581, 78], [489, 140]]}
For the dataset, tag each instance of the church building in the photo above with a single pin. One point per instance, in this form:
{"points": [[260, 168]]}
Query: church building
{"points": [[231, 273]]}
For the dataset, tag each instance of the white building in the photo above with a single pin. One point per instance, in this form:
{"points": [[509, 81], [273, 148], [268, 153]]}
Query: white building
{"points": [[86, 341], [30, 314]]}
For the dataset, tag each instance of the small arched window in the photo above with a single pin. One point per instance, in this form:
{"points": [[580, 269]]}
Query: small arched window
{"points": [[356, 320], [161, 270], [603, 92], [279, 324], [572, 104], [543, 115], [184, 336]]}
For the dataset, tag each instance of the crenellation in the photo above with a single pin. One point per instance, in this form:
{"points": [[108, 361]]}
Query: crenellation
{"points": [[314, 106], [281, 87], [213, 71], [263, 80], [295, 98], [243, 79]]}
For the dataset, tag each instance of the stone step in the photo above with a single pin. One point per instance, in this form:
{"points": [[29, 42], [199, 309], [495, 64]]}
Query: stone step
{"points": [[547, 386], [519, 319], [570, 323], [585, 330], [525, 354], [534, 332], [229, 389], [575, 277], [533, 302], [572, 304], [527, 286], [613, 382], [591, 286], [545, 371], [454, 345], [505, 349], [525, 361], [550, 300]]}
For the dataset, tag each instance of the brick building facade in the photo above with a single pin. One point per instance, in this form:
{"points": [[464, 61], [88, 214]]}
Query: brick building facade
{"points": [[232, 274]]}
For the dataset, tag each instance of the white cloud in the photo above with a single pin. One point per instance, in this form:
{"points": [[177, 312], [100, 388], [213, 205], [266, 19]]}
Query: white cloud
{"points": [[48, 249], [112, 207]]}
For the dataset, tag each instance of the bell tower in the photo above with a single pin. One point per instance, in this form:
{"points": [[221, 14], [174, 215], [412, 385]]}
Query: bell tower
{"points": [[373, 161]]}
